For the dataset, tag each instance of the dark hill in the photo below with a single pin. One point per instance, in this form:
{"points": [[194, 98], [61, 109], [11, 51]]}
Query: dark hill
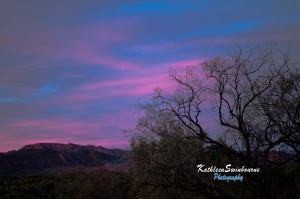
{"points": [[52, 156]]}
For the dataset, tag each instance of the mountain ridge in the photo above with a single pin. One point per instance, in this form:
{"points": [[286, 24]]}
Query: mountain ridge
{"points": [[42, 157]]}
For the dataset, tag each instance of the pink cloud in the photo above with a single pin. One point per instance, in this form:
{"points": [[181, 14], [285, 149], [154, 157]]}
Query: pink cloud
{"points": [[73, 127], [138, 84], [157, 75], [114, 63], [147, 79], [126, 82]]}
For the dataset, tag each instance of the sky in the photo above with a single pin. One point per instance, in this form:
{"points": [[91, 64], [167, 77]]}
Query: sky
{"points": [[74, 71]]}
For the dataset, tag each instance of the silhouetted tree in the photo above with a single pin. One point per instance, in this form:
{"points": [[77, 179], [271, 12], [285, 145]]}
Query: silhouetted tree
{"points": [[256, 95]]}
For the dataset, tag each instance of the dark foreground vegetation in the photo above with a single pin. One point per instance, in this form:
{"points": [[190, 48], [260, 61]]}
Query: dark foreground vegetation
{"points": [[104, 184], [167, 183]]}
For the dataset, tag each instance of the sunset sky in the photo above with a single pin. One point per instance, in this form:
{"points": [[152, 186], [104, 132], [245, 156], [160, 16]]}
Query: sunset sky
{"points": [[73, 71]]}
